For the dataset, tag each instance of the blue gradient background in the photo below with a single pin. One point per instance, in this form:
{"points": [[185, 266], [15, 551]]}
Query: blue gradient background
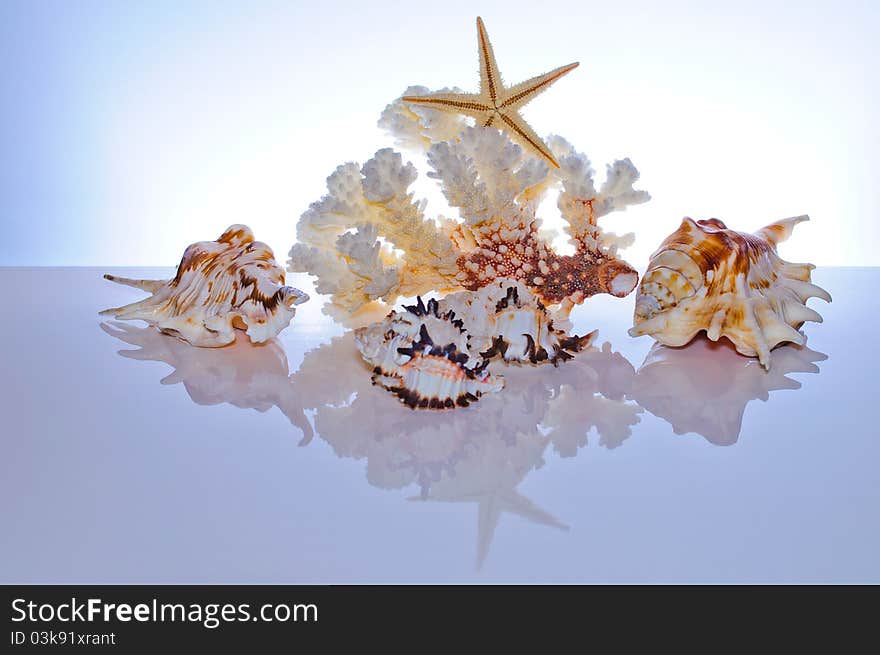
{"points": [[132, 129]]}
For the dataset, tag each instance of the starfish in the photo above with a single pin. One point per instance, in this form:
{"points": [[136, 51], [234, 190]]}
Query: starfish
{"points": [[497, 105]]}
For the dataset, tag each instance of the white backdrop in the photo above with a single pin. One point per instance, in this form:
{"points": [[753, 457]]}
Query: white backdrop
{"points": [[130, 130]]}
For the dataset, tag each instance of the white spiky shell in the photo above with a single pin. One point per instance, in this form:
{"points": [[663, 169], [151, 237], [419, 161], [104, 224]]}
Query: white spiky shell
{"points": [[707, 277], [506, 319], [233, 282], [421, 355], [378, 343]]}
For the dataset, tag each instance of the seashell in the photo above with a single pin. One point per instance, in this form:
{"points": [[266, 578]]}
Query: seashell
{"points": [[707, 277], [380, 342], [233, 282], [407, 360], [506, 319]]}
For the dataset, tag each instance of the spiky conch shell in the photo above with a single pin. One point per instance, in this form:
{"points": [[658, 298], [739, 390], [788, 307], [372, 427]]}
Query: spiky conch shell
{"points": [[233, 282], [707, 277], [506, 319], [422, 356]]}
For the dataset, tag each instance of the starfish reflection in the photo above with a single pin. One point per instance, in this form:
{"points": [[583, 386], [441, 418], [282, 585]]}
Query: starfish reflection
{"points": [[705, 386], [476, 455], [480, 454]]}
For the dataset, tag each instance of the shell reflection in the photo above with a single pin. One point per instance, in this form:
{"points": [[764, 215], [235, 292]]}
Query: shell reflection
{"points": [[242, 374], [480, 454], [705, 386]]}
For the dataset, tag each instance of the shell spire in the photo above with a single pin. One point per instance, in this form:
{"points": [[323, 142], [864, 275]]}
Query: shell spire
{"points": [[779, 231]]}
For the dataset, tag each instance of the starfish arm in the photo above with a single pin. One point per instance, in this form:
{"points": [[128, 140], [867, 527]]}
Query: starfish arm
{"points": [[488, 513], [516, 96], [516, 503], [521, 132], [490, 78], [469, 104]]}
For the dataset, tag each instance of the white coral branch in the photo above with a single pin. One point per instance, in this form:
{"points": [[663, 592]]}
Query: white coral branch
{"points": [[485, 175], [340, 236], [343, 207], [368, 240], [354, 271], [417, 127], [617, 192], [581, 205]]}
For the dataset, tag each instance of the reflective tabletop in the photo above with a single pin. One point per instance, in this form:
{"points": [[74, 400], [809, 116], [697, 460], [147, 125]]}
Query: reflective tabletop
{"points": [[129, 456]]}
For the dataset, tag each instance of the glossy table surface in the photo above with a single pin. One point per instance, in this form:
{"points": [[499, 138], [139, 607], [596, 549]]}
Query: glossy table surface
{"points": [[130, 457]]}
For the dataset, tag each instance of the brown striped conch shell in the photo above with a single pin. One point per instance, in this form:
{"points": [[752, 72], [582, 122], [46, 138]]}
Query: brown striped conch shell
{"points": [[233, 282], [706, 277], [421, 355]]}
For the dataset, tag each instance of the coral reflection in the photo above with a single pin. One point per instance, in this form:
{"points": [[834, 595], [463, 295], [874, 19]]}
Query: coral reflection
{"points": [[479, 454]]}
